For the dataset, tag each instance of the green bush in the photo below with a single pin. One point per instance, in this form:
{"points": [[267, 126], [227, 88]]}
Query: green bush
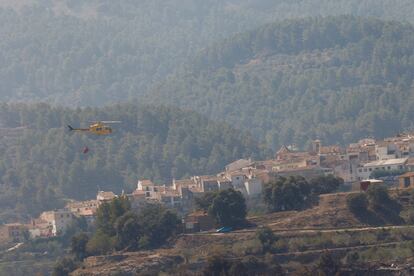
{"points": [[267, 238], [100, 244], [357, 202], [229, 208], [291, 193], [410, 217], [63, 267], [378, 196]]}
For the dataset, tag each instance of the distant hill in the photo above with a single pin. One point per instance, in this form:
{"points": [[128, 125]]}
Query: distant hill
{"points": [[44, 162], [335, 78], [94, 52]]}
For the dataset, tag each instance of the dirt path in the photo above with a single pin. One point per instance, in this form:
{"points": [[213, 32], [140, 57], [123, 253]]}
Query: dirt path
{"points": [[306, 230], [314, 251], [13, 248]]}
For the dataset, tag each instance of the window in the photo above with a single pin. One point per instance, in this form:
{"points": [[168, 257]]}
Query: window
{"points": [[389, 168], [406, 182], [370, 169]]}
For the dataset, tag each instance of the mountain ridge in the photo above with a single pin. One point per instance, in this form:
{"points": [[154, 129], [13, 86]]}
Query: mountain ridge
{"points": [[90, 53], [337, 78]]}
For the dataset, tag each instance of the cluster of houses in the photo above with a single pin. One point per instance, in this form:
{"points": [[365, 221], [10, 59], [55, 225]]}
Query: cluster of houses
{"points": [[355, 163]]}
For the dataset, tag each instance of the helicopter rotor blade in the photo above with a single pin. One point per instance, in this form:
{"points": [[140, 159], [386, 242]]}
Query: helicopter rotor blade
{"points": [[105, 122], [111, 122]]}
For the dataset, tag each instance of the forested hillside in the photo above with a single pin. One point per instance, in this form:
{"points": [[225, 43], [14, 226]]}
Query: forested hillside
{"points": [[42, 162], [336, 78], [91, 52]]}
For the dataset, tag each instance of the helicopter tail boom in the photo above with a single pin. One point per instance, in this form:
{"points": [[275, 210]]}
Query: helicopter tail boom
{"points": [[77, 129]]}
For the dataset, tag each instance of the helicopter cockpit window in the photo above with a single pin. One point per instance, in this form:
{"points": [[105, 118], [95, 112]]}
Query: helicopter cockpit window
{"points": [[98, 129]]}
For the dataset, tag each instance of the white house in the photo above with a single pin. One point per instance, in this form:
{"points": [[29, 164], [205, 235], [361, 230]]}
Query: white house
{"points": [[253, 186], [365, 171], [237, 178], [386, 151], [59, 220]]}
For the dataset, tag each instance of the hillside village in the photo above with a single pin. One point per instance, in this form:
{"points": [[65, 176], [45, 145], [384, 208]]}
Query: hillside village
{"points": [[389, 159]]}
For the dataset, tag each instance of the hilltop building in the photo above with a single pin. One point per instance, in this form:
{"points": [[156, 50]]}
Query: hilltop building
{"points": [[103, 196], [83, 208], [12, 232], [365, 171], [406, 180], [58, 220]]}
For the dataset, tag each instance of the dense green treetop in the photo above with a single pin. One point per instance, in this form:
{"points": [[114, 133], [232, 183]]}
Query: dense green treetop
{"points": [[229, 208], [336, 78], [296, 192], [96, 51], [117, 227]]}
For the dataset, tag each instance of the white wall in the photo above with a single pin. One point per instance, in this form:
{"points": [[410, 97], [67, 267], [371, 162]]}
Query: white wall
{"points": [[253, 186]]}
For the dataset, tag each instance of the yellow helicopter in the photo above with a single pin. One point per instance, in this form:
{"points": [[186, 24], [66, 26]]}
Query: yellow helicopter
{"points": [[98, 128]]}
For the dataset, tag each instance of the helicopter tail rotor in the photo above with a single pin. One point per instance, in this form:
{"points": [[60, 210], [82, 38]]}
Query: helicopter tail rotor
{"points": [[70, 128]]}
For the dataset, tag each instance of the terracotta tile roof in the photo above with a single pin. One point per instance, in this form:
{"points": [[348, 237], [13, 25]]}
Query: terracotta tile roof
{"points": [[239, 164], [331, 149], [146, 182], [237, 173], [138, 193], [185, 182], [283, 150], [201, 177], [382, 143], [81, 204], [308, 168], [106, 195], [89, 212], [170, 193]]}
